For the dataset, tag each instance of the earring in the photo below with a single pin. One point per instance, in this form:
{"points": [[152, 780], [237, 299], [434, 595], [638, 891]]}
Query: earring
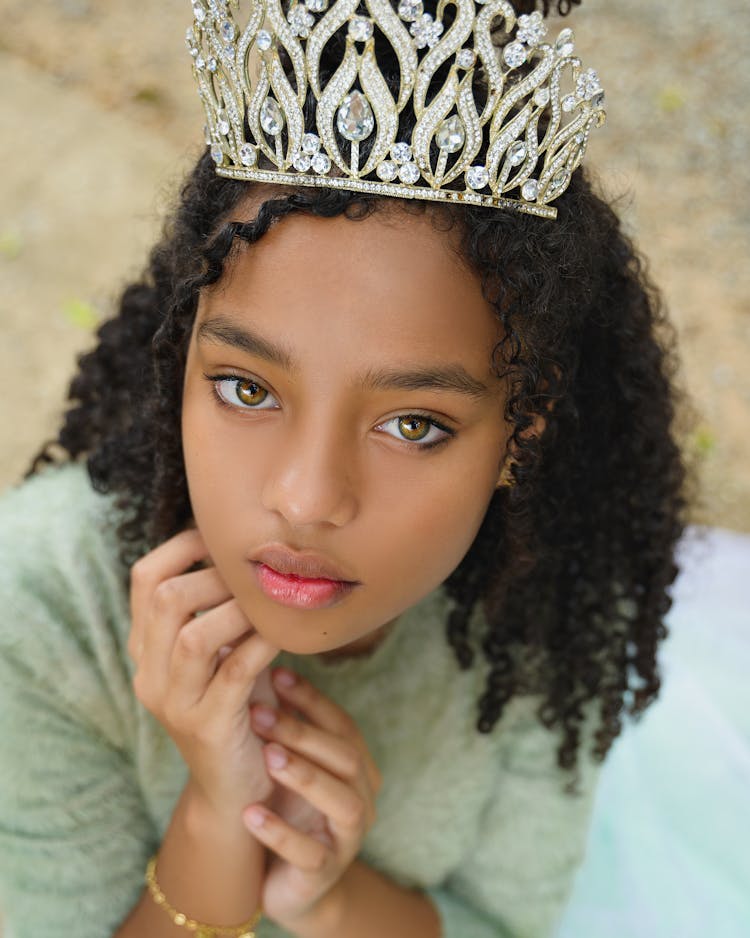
{"points": [[506, 480]]}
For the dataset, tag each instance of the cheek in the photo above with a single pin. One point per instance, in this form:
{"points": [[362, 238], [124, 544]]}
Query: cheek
{"points": [[437, 523]]}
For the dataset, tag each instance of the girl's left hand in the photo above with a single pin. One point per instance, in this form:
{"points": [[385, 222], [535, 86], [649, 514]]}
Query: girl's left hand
{"points": [[323, 807]]}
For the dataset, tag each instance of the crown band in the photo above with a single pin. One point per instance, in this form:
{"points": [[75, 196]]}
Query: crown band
{"points": [[399, 191], [513, 146]]}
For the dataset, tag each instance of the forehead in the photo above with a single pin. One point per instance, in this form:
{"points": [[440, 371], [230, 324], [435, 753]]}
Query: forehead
{"points": [[382, 281]]}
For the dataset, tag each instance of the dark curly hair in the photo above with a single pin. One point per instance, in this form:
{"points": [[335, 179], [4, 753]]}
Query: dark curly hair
{"points": [[572, 564]]}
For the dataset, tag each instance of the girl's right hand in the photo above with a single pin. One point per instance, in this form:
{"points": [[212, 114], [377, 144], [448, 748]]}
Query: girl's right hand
{"points": [[198, 674]]}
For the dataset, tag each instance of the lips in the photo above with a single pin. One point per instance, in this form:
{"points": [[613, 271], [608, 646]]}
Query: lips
{"points": [[304, 565], [300, 580]]}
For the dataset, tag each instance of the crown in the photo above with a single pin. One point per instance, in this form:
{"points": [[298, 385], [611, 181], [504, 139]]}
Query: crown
{"points": [[501, 125]]}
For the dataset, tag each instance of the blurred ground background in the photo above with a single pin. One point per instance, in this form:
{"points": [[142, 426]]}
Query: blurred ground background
{"points": [[100, 119]]}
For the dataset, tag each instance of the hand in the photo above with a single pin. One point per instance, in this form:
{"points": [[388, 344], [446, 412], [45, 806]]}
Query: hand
{"points": [[315, 827], [197, 674]]}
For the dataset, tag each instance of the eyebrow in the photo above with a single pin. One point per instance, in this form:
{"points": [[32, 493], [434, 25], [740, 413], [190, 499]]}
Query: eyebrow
{"points": [[449, 377], [225, 332]]}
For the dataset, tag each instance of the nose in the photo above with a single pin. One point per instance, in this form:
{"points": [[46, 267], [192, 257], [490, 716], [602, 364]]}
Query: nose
{"points": [[312, 479]]}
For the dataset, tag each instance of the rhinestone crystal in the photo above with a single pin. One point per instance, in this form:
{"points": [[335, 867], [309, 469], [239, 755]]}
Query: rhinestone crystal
{"points": [[408, 173], [199, 12], [222, 122], [531, 28], [310, 143], [560, 180], [248, 156], [530, 190], [450, 134], [317, 6], [409, 10], [477, 177], [465, 58], [263, 40], [355, 119], [569, 102], [212, 64], [587, 85], [227, 30], [401, 152], [302, 162], [541, 97], [565, 44], [360, 28], [514, 54], [426, 31], [517, 153], [387, 170], [321, 163], [271, 118], [217, 154], [301, 20]]}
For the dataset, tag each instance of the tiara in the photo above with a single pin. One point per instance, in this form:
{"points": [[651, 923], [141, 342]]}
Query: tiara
{"points": [[527, 106]]}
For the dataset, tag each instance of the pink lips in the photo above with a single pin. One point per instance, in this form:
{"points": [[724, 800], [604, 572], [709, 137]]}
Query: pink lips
{"points": [[301, 580]]}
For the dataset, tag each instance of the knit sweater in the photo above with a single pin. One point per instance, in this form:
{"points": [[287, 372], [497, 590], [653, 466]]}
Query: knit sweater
{"points": [[89, 778]]}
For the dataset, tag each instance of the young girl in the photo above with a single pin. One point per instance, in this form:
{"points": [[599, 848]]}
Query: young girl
{"points": [[360, 547]]}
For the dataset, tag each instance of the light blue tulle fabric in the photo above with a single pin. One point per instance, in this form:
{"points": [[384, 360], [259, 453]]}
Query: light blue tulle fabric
{"points": [[669, 845]]}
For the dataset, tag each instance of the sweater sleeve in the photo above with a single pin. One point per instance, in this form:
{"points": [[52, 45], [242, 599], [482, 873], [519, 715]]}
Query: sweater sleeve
{"points": [[74, 832], [518, 878]]}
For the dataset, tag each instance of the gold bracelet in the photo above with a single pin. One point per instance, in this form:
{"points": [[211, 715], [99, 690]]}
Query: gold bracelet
{"points": [[203, 931]]}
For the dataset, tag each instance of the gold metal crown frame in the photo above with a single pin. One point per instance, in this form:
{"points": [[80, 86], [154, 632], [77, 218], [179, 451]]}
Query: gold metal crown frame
{"points": [[532, 128]]}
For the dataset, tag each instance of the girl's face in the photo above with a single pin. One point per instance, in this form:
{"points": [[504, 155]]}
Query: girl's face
{"points": [[340, 409]]}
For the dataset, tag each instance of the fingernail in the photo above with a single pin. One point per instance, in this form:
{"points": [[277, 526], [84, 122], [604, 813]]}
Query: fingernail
{"points": [[285, 678], [255, 817], [277, 758], [264, 717]]}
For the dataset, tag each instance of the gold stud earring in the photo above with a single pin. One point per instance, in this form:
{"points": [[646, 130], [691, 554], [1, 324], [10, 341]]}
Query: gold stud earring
{"points": [[506, 480]]}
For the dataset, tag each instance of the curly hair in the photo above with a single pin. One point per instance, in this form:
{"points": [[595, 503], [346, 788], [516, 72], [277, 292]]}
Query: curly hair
{"points": [[571, 566]]}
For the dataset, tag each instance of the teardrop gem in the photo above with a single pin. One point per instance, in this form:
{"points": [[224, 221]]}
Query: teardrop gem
{"points": [[355, 119], [271, 118], [450, 134]]}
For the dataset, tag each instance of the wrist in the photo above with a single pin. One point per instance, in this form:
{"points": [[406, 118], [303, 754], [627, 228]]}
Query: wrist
{"points": [[203, 815], [325, 918]]}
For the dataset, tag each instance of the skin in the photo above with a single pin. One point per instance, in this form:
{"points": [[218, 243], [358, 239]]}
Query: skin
{"points": [[322, 463], [326, 462]]}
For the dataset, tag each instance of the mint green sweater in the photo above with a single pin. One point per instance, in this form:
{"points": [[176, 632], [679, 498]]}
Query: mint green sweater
{"points": [[89, 779]]}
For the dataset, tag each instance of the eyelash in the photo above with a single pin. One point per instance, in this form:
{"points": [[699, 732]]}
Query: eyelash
{"points": [[215, 380]]}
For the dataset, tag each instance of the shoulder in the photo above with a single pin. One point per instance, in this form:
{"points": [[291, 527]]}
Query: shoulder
{"points": [[56, 534], [62, 585], [59, 502]]}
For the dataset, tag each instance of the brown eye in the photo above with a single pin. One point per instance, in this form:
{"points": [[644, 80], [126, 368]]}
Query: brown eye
{"points": [[414, 428], [250, 393]]}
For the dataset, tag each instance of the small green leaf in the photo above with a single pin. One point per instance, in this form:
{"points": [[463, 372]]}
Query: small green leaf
{"points": [[80, 313], [670, 99], [704, 440], [148, 95], [11, 244]]}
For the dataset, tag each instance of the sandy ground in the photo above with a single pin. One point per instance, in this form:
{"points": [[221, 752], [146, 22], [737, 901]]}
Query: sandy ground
{"points": [[100, 120]]}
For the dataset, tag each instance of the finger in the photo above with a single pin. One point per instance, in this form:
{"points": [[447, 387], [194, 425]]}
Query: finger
{"points": [[168, 560], [200, 647], [348, 810], [301, 850], [230, 688], [174, 603], [332, 753], [323, 712]]}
